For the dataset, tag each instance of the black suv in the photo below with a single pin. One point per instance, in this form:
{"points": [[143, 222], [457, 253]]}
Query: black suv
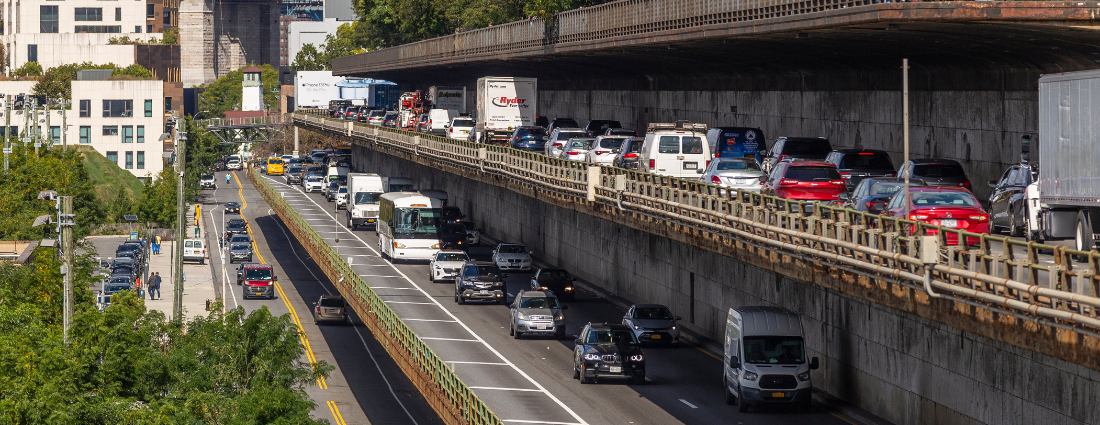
{"points": [[857, 164], [608, 351], [233, 207], [936, 172], [561, 122], [796, 148], [481, 281], [599, 127], [557, 280]]}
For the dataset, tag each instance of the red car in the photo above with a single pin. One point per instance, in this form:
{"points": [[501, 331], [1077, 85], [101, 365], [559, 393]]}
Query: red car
{"points": [[947, 206], [806, 181]]}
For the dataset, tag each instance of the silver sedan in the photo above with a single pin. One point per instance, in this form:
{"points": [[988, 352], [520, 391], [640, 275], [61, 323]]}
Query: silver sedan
{"points": [[734, 173]]}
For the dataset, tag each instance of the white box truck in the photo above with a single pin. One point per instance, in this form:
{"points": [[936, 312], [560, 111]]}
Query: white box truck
{"points": [[504, 103], [364, 190], [764, 356], [1064, 202], [453, 98]]}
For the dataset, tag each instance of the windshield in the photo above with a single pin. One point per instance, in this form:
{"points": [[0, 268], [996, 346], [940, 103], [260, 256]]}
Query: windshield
{"points": [[468, 225], [295, 169], [608, 336], [332, 302], [867, 161], [737, 164], [809, 174], [453, 231], [239, 246], [943, 199], [512, 249], [451, 256], [122, 280], [258, 274], [653, 313], [886, 188], [239, 238], [208, 177], [938, 170], [566, 135], [362, 198], [580, 143], [417, 220], [774, 349], [540, 302], [537, 131], [602, 125], [553, 274], [819, 148], [565, 122], [116, 288], [463, 123], [401, 188], [452, 213], [614, 144], [313, 179], [343, 189], [483, 271], [275, 162]]}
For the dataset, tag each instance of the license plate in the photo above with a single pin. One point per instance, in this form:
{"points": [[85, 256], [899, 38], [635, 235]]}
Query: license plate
{"points": [[616, 369], [370, 220], [779, 395], [655, 337], [949, 223], [259, 293], [483, 292], [541, 327], [691, 165], [465, 132]]}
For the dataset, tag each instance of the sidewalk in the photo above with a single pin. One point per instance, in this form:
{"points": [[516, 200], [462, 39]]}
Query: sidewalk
{"points": [[198, 286]]}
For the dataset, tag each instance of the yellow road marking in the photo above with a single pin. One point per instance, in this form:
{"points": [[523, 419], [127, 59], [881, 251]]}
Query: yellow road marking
{"points": [[282, 295], [336, 413]]}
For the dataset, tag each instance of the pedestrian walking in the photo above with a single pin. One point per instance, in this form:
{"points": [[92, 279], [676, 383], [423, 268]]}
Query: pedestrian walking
{"points": [[156, 245], [154, 285]]}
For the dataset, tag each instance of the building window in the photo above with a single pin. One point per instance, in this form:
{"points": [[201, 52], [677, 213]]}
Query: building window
{"points": [[149, 28], [127, 134], [110, 130], [150, 11], [85, 108], [47, 19], [32, 53], [55, 133], [113, 157], [118, 108], [141, 133], [98, 29], [167, 18], [137, 29], [89, 14], [129, 160], [141, 160], [118, 14], [167, 104], [85, 134], [148, 107]]}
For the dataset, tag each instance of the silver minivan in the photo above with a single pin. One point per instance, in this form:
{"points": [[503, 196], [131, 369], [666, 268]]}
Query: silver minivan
{"points": [[765, 360]]}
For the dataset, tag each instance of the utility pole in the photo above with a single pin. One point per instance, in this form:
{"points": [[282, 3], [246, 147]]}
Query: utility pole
{"points": [[905, 131], [49, 130], [26, 124], [64, 128], [181, 154], [65, 222], [7, 131], [295, 141]]}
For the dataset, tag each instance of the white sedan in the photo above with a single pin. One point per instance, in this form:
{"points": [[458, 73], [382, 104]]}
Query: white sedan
{"points": [[604, 150], [314, 183], [512, 256], [446, 264]]}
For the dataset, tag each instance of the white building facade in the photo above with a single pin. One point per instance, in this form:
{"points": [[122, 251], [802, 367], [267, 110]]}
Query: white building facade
{"points": [[54, 32], [121, 119], [310, 32]]}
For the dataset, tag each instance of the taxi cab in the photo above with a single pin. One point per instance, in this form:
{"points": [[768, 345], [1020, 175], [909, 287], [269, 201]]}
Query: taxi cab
{"points": [[275, 166]]}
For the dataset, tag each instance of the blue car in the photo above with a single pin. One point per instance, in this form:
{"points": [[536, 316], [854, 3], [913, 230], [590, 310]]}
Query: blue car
{"points": [[530, 139]]}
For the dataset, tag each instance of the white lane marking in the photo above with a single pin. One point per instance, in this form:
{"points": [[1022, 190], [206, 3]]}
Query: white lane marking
{"points": [[689, 404], [376, 275], [467, 328], [407, 302], [356, 328], [505, 389], [391, 287], [454, 339], [221, 254], [430, 320], [523, 421]]}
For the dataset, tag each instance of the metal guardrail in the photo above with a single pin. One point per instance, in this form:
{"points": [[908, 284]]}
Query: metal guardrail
{"points": [[1011, 281], [455, 403], [246, 121]]}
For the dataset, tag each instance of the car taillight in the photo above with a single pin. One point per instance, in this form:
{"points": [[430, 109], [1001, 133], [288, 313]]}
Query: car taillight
{"points": [[889, 175], [450, 130], [715, 180], [630, 155], [965, 183], [558, 145], [981, 218], [602, 152], [782, 157], [788, 181], [652, 163], [572, 153], [318, 309], [875, 205], [846, 176], [918, 217], [837, 182]]}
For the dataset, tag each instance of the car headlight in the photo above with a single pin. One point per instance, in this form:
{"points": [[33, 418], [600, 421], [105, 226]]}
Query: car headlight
{"points": [[673, 328], [521, 316], [749, 376], [804, 376], [560, 317], [436, 246], [636, 326], [592, 356], [637, 358], [436, 266], [398, 244]]}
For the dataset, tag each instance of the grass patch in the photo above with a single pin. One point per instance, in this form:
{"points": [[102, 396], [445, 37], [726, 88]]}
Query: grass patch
{"points": [[108, 178]]}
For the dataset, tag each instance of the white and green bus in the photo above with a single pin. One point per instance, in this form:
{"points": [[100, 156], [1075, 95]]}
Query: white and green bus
{"points": [[408, 226]]}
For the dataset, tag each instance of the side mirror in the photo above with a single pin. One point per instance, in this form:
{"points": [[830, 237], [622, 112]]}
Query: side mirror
{"points": [[532, 253], [814, 364], [577, 341], [843, 197], [735, 363], [992, 183], [275, 278]]}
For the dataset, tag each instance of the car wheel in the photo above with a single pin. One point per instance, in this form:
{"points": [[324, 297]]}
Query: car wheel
{"points": [[730, 398], [460, 299], [805, 406], [431, 277], [584, 378], [202, 261], [639, 380], [511, 330], [1013, 226], [576, 372], [517, 334], [742, 407], [1084, 241]]}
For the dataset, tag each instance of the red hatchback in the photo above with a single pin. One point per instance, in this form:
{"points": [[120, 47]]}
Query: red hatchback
{"points": [[806, 181], [947, 206]]}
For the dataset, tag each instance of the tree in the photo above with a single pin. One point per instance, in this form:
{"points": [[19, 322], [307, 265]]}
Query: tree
{"points": [[346, 41], [309, 59], [52, 169], [28, 69], [158, 199], [56, 82]]}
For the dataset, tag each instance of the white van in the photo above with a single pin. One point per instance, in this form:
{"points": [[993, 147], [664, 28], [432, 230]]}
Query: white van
{"points": [[335, 172], [194, 250], [439, 120], [764, 358], [398, 184], [677, 149]]}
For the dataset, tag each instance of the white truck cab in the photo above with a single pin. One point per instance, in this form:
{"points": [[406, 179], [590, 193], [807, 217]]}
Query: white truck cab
{"points": [[764, 358], [364, 190], [677, 149]]}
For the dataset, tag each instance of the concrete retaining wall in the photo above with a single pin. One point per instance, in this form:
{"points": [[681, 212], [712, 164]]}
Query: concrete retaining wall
{"points": [[897, 365]]}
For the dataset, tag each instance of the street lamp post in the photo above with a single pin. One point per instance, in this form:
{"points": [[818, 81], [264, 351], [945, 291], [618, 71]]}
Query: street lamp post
{"points": [[181, 157]]}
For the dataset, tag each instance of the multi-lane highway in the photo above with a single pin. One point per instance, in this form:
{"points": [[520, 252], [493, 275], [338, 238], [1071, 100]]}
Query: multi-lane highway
{"points": [[530, 380], [365, 387]]}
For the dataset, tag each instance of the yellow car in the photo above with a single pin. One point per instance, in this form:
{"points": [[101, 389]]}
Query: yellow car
{"points": [[275, 166]]}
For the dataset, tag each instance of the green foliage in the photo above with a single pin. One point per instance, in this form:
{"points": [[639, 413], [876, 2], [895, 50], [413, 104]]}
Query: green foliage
{"points": [[134, 70], [56, 82], [112, 183], [224, 94], [346, 41], [52, 169], [158, 199], [203, 150], [171, 36], [28, 69], [310, 59], [126, 364]]}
